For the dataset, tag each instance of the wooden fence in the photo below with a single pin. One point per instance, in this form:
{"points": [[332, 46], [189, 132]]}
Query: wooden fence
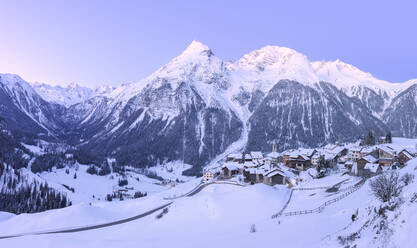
{"points": [[320, 208]]}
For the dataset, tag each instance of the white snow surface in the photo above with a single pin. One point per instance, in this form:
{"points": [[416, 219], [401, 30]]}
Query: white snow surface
{"points": [[69, 95]]}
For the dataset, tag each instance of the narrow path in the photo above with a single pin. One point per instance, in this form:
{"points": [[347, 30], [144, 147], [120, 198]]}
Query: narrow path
{"points": [[91, 227]]}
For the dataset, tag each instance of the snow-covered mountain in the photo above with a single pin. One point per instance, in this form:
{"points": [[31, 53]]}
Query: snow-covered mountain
{"points": [[69, 95], [198, 107], [25, 111]]}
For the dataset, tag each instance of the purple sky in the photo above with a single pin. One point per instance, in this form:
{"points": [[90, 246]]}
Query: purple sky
{"points": [[112, 42]]}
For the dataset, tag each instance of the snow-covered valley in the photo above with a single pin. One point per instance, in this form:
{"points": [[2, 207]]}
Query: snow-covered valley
{"points": [[222, 211]]}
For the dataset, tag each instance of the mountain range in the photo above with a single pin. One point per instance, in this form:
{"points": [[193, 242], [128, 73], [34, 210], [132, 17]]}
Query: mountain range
{"points": [[198, 108]]}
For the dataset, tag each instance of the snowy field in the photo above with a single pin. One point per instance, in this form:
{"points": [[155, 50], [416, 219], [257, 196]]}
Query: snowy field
{"points": [[219, 215]]}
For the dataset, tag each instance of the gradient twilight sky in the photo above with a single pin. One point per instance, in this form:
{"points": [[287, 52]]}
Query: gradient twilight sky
{"points": [[113, 42]]}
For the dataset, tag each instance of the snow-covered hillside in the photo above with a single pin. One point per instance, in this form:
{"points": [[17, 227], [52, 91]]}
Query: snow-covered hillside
{"points": [[221, 214]]}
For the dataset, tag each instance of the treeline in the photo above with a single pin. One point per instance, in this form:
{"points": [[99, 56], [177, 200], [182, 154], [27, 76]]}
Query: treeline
{"points": [[17, 198], [372, 138]]}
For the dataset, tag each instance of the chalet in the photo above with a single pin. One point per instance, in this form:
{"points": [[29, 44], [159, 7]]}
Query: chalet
{"points": [[273, 157], [254, 175], [247, 157], [369, 151], [300, 162], [365, 160], [257, 156], [386, 152], [250, 164], [208, 175], [404, 156], [235, 157], [372, 169], [273, 177], [386, 161], [229, 170], [386, 155]]}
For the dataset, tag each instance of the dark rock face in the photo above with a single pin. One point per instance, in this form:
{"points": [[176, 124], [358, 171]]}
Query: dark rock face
{"points": [[193, 132], [401, 115], [294, 115], [27, 114]]}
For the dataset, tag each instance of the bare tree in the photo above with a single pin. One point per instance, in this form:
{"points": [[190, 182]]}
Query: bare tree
{"points": [[386, 186], [407, 178]]}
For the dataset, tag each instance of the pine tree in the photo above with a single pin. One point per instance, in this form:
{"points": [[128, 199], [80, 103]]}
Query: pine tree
{"points": [[388, 138]]}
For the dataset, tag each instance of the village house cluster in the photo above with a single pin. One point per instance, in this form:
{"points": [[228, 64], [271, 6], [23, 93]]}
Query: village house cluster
{"points": [[281, 168]]}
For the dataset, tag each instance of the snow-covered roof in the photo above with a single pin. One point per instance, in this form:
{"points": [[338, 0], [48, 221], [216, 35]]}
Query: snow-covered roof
{"points": [[256, 155], [387, 149], [407, 154], [274, 155], [367, 150], [248, 156], [370, 159], [230, 166], [235, 155], [274, 172], [371, 167], [355, 149], [249, 164]]}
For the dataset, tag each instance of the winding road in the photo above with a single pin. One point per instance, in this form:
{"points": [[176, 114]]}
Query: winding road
{"points": [[91, 227], [194, 191]]}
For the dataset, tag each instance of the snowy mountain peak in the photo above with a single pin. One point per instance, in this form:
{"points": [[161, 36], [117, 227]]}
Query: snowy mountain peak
{"points": [[197, 48], [266, 66], [346, 76]]}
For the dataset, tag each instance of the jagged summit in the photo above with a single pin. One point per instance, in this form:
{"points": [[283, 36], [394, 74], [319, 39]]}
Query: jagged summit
{"points": [[196, 48]]}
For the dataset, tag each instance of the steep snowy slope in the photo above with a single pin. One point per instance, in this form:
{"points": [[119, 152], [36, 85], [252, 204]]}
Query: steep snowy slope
{"points": [[296, 115], [401, 115], [374, 93], [25, 111]]}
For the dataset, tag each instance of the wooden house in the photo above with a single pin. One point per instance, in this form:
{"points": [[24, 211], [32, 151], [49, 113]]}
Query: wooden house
{"points": [[365, 160], [273, 157], [299, 162], [257, 156], [404, 156], [247, 157], [229, 170], [235, 157], [274, 177], [371, 169]]}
